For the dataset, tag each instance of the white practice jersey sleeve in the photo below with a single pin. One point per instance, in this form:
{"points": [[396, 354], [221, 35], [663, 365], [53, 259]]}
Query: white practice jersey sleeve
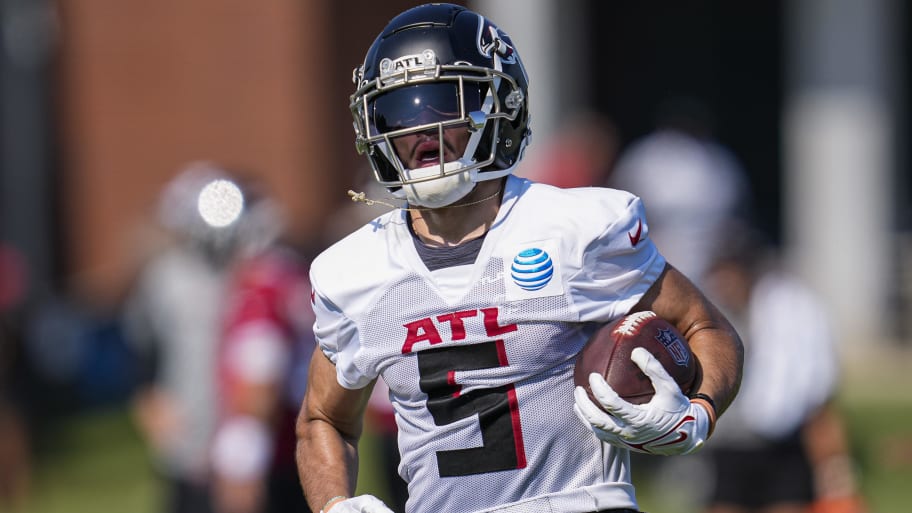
{"points": [[480, 369]]}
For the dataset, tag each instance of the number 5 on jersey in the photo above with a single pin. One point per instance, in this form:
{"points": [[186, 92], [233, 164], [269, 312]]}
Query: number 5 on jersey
{"points": [[497, 408]]}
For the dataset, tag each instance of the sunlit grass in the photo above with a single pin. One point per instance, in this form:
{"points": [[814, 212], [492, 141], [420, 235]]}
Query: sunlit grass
{"points": [[96, 463], [93, 463]]}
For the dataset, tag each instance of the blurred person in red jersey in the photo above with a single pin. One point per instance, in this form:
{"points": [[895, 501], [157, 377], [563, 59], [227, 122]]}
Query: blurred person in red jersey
{"points": [[783, 448], [172, 318], [264, 352]]}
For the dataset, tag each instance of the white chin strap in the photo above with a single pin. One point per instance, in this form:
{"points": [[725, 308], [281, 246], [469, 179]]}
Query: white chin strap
{"points": [[441, 191]]}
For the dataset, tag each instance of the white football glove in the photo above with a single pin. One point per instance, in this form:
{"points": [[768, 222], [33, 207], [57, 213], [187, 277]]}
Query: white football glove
{"points": [[668, 424], [359, 504]]}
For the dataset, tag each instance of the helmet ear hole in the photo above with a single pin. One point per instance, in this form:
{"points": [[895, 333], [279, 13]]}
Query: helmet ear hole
{"points": [[486, 143], [514, 137]]}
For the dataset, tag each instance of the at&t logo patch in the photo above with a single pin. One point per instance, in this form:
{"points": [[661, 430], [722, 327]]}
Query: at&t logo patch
{"points": [[532, 269]]}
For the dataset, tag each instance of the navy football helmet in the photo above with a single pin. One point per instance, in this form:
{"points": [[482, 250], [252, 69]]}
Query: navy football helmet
{"points": [[436, 67]]}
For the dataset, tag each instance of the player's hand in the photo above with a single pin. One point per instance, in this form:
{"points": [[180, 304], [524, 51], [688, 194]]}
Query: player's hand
{"points": [[359, 504], [668, 424]]}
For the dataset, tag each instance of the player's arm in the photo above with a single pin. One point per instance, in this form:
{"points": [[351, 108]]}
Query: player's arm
{"points": [[710, 336], [328, 429]]}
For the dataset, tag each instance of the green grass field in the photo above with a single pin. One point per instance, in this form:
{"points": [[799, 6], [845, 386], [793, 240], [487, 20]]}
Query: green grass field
{"points": [[96, 463]]}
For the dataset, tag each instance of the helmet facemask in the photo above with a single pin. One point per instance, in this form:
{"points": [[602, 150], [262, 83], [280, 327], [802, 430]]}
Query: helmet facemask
{"points": [[423, 97]]}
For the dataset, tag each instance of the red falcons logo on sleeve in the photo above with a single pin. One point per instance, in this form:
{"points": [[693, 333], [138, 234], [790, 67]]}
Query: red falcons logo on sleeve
{"points": [[635, 237]]}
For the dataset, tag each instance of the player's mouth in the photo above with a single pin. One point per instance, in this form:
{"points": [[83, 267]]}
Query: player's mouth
{"points": [[427, 153]]}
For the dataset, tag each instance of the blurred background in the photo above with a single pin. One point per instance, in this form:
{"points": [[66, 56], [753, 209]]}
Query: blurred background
{"points": [[105, 102]]}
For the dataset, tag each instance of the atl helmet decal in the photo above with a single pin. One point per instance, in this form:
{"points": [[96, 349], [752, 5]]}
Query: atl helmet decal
{"points": [[490, 42], [424, 60], [675, 347], [532, 269]]}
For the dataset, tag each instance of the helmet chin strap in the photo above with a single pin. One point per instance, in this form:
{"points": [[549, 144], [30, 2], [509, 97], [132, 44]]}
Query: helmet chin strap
{"points": [[362, 198], [422, 195], [432, 194], [440, 191]]}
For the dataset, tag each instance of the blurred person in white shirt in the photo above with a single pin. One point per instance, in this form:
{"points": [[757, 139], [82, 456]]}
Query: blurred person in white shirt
{"points": [[782, 447], [689, 182]]}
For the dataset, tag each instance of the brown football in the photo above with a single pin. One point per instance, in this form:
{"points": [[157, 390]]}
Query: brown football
{"points": [[607, 352]]}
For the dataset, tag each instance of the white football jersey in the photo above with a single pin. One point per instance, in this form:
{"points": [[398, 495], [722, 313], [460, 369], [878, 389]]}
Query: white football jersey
{"points": [[479, 362]]}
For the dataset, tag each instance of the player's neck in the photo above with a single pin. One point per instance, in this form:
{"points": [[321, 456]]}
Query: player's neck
{"points": [[452, 225]]}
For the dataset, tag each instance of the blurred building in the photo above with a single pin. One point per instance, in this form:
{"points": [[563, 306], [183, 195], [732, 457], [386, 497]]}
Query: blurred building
{"points": [[103, 100]]}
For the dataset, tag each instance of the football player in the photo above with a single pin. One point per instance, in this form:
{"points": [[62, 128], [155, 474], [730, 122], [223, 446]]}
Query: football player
{"points": [[472, 300]]}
